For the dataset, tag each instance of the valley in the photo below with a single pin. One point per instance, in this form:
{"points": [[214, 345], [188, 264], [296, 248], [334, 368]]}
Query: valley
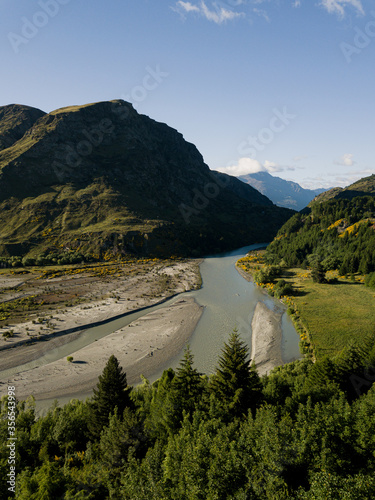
{"points": [[146, 338], [142, 316]]}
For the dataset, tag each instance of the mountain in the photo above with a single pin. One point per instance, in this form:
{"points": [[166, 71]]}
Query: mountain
{"points": [[15, 120], [338, 228], [283, 193], [363, 187], [102, 179]]}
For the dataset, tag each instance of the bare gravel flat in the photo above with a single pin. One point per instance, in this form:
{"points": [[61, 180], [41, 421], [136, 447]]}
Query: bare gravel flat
{"points": [[266, 339], [142, 347]]}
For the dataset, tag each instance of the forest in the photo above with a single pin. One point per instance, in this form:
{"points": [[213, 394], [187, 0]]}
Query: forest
{"points": [[339, 232], [305, 431]]}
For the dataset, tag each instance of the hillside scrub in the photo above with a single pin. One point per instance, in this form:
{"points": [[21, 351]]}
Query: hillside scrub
{"points": [[339, 233]]}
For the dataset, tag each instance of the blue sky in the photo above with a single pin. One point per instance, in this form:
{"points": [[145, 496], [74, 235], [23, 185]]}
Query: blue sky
{"points": [[279, 85]]}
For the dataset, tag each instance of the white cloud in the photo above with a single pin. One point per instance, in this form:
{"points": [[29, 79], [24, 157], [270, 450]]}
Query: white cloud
{"points": [[243, 167], [332, 179], [246, 166], [220, 12], [272, 167], [317, 182], [220, 15], [362, 173], [188, 7], [346, 160], [262, 13], [217, 14], [338, 6]]}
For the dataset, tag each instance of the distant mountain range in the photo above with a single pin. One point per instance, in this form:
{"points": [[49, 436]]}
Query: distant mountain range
{"points": [[283, 193], [102, 179]]}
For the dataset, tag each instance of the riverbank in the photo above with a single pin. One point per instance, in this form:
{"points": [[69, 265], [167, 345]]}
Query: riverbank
{"points": [[266, 339], [142, 347], [121, 289], [318, 308], [266, 325], [101, 293]]}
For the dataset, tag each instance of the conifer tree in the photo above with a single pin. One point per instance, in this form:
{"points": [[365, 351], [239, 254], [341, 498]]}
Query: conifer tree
{"points": [[158, 421], [187, 385], [236, 384], [318, 273], [176, 393], [111, 392]]}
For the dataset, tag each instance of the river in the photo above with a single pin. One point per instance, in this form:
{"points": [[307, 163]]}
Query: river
{"points": [[229, 302]]}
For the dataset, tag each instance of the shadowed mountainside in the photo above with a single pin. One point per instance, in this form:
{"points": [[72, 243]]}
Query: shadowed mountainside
{"points": [[102, 178]]}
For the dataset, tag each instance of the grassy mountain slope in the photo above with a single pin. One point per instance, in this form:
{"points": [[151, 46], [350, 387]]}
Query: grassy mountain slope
{"points": [[363, 187], [102, 178], [340, 231], [15, 120]]}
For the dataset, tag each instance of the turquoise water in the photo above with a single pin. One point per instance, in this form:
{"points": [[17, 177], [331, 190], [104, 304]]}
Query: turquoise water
{"points": [[229, 302]]}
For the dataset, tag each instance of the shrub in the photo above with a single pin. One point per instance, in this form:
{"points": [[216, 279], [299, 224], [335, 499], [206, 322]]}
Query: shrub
{"points": [[70, 359], [8, 334], [370, 280], [283, 288], [267, 274]]}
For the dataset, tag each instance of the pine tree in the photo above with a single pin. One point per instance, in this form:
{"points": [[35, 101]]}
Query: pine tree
{"points": [[187, 386], [236, 384], [112, 392], [318, 273], [158, 420], [176, 393]]}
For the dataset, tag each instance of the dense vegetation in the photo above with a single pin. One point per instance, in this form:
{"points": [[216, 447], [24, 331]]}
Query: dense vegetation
{"points": [[370, 280], [306, 431], [338, 233], [48, 258], [320, 258]]}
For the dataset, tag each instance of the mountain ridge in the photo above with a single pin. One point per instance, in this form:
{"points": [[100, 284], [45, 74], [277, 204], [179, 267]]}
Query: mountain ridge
{"points": [[101, 177], [15, 120], [362, 187], [283, 193]]}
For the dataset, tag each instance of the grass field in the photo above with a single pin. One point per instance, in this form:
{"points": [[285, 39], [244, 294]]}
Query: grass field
{"points": [[334, 314]]}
